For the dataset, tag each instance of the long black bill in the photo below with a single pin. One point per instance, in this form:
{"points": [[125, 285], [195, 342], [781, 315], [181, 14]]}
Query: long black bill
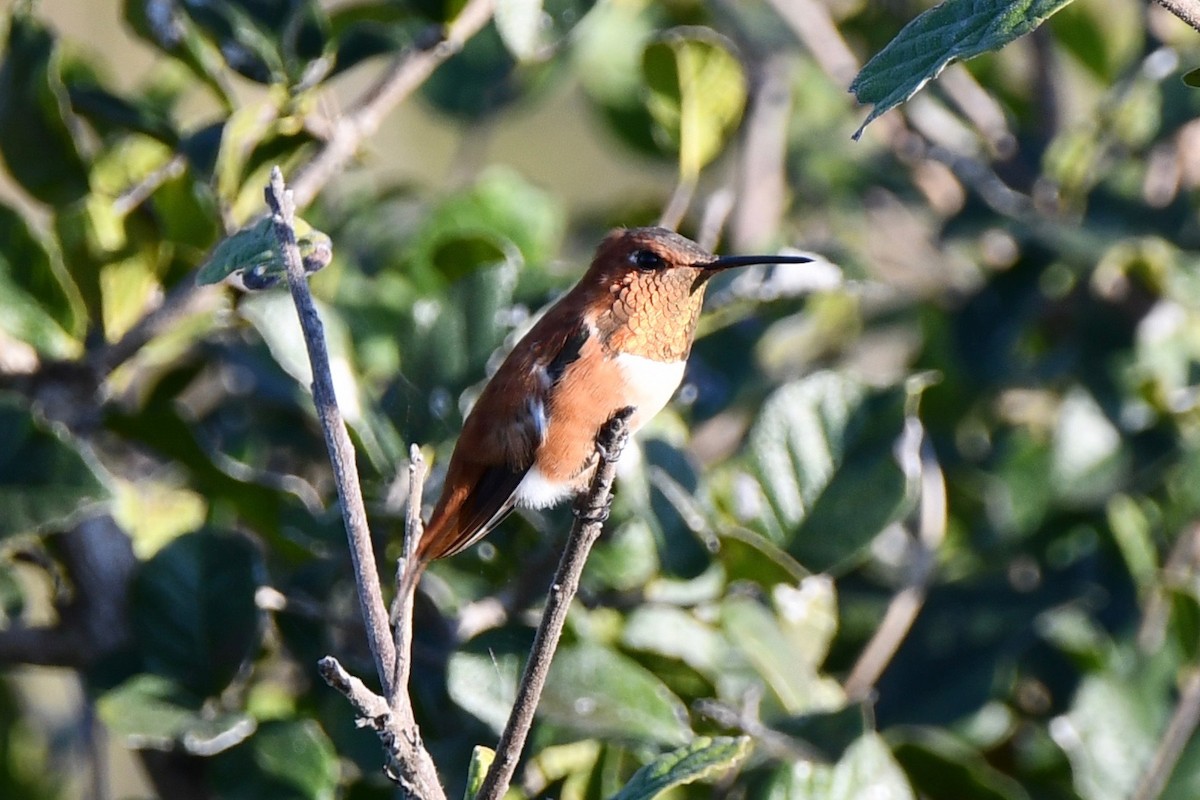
{"points": [[727, 262]]}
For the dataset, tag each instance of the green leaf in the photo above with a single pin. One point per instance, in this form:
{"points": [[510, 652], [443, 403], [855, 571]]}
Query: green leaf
{"points": [[607, 54], [163, 25], [477, 770], [253, 255], [39, 285], [1088, 460], [590, 689], [866, 769], [1111, 730], [676, 633], [602, 693], [1132, 531], [501, 210], [939, 763], [956, 29], [483, 679], [150, 711], [697, 92], [36, 137], [1192, 78], [45, 478], [825, 451], [283, 760], [787, 666], [705, 757], [193, 609]]}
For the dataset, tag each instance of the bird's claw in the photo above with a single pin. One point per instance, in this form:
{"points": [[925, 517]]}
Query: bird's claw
{"points": [[595, 514]]}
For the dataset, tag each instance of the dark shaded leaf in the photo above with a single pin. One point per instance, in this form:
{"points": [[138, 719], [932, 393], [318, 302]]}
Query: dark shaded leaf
{"points": [[940, 764], [36, 139], [193, 610], [44, 476], [283, 760]]}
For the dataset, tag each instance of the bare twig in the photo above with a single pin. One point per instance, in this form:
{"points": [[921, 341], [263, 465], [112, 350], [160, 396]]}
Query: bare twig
{"points": [[811, 22], [391, 716], [677, 206], [590, 513], [762, 182], [341, 451], [408, 762], [902, 610], [1186, 10], [407, 574], [406, 73], [1179, 731]]}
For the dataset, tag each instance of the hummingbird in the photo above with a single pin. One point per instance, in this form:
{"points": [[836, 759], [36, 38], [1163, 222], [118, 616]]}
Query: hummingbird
{"points": [[619, 338]]}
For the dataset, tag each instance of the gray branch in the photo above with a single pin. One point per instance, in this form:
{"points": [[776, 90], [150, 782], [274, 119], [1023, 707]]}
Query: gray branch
{"points": [[590, 512]]}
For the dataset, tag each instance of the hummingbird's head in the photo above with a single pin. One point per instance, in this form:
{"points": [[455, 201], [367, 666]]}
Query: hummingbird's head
{"points": [[650, 286]]}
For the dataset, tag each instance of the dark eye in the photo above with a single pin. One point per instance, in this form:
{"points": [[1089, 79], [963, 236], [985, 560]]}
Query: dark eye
{"points": [[646, 259]]}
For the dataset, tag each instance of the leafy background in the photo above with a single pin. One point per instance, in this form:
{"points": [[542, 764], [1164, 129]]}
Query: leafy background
{"points": [[987, 425]]}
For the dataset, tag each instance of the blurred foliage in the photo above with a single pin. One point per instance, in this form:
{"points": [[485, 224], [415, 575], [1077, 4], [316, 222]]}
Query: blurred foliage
{"points": [[1018, 330]]}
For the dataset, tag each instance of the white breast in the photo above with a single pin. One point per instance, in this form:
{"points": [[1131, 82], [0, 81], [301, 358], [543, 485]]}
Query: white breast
{"points": [[650, 384]]}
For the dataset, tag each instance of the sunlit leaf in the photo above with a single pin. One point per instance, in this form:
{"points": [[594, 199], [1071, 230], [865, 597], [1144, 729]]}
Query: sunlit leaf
{"points": [[600, 692], [828, 455], [1111, 730], [590, 689], [956, 29], [866, 769], [789, 670], [150, 711], [697, 91], [704, 758], [520, 25], [676, 633]]}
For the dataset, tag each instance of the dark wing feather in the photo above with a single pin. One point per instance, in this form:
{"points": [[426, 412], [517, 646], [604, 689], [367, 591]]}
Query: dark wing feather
{"points": [[492, 493], [491, 500]]}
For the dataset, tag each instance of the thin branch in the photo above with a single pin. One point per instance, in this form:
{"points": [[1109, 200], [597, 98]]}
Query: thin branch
{"points": [[1186, 10], [337, 441], [406, 73], [762, 181], [407, 574], [408, 762], [677, 206], [813, 25], [590, 513], [903, 609], [1179, 731]]}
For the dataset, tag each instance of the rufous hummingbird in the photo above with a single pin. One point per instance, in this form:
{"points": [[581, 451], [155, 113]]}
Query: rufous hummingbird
{"points": [[619, 338]]}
